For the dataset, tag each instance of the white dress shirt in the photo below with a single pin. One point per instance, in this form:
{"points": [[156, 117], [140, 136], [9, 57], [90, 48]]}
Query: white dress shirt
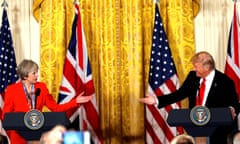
{"points": [[208, 83]]}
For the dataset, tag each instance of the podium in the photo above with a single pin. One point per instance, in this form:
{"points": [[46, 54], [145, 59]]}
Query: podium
{"points": [[218, 117], [15, 121]]}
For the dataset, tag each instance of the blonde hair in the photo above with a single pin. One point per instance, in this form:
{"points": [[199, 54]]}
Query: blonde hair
{"points": [[205, 59], [25, 67], [183, 139]]}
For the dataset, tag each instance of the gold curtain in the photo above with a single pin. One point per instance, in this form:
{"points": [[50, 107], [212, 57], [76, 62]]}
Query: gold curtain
{"points": [[119, 36], [178, 17], [55, 18]]}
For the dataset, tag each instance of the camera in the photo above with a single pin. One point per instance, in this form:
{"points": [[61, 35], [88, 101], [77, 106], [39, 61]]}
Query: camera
{"points": [[76, 137]]}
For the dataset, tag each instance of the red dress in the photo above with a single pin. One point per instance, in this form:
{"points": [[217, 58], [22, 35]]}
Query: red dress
{"points": [[15, 100]]}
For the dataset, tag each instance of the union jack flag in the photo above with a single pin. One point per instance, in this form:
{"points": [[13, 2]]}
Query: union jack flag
{"points": [[77, 78], [232, 67], [162, 80]]}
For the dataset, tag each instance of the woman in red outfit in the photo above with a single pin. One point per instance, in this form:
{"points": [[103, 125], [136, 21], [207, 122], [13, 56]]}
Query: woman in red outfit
{"points": [[18, 97]]}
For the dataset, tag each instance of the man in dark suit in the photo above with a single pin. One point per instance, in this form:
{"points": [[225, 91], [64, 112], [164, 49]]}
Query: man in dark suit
{"points": [[219, 92]]}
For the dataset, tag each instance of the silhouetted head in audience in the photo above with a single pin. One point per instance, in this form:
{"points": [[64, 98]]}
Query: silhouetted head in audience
{"points": [[183, 139]]}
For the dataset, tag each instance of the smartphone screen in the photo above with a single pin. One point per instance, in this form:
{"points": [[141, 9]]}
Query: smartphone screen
{"points": [[76, 137]]}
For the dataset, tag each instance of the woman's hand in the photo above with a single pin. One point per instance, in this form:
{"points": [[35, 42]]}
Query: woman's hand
{"points": [[83, 99]]}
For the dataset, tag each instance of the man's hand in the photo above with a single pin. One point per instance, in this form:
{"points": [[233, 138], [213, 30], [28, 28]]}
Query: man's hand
{"points": [[232, 112], [148, 100]]}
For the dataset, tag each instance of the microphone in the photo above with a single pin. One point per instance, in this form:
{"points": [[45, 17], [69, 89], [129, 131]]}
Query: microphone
{"points": [[34, 99], [37, 92]]}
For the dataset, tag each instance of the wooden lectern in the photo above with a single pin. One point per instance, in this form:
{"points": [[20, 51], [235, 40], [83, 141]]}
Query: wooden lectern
{"points": [[181, 117]]}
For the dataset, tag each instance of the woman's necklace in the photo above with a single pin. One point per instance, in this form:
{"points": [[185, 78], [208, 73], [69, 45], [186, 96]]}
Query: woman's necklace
{"points": [[30, 96]]}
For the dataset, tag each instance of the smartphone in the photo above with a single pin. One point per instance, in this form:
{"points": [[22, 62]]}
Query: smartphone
{"points": [[76, 137]]}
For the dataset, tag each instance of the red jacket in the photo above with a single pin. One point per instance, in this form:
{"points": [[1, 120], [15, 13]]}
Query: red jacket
{"points": [[15, 100]]}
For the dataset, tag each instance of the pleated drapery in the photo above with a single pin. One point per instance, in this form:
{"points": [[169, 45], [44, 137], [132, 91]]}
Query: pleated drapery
{"points": [[119, 37]]}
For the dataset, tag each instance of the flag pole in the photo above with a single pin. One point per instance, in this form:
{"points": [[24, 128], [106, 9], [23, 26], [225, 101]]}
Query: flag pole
{"points": [[75, 2], [4, 4]]}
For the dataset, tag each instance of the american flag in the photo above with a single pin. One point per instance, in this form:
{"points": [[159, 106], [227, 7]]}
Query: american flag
{"points": [[77, 78], [232, 67], [162, 80], [8, 74]]}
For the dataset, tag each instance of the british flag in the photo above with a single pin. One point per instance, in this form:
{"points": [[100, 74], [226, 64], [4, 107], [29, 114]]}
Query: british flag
{"points": [[77, 78], [232, 67]]}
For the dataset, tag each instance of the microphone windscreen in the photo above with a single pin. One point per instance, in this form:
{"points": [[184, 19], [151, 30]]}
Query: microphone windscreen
{"points": [[37, 92]]}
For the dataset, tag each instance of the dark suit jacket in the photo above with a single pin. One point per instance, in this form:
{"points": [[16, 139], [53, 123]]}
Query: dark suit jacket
{"points": [[222, 94]]}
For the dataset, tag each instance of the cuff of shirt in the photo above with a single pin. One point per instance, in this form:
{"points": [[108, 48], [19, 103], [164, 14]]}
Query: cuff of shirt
{"points": [[156, 104]]}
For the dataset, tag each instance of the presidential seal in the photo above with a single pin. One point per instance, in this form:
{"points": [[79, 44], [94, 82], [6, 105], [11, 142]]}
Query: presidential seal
{"points": [[200, 115], [34, 119]]}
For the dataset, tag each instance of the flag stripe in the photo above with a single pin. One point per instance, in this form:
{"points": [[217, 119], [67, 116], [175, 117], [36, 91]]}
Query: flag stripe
{"points": [[154, 138], [236, 38], [161, 121], [154, 133], [80, 47]]}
